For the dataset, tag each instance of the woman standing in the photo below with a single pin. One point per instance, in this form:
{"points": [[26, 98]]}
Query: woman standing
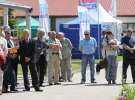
{"points": [[110, 45]]}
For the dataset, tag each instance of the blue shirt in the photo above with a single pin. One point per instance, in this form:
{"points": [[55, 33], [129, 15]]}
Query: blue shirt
{"points": [[88, 46]]}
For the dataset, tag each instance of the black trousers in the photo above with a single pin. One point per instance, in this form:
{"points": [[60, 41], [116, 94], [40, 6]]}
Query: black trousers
{"points": [[126, 63], [9, 75], [41, 68], [15, 67], [33, 72]]}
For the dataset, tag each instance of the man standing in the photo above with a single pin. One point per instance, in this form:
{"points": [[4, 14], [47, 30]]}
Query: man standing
{"points": [[54, 57], [27, 52], [9, 74], [40, 55], [128, 43], [88, 47], [66, 73]]}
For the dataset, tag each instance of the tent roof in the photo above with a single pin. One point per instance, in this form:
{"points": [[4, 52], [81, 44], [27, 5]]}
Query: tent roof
{"points": [[34, 22], [104, 16]]}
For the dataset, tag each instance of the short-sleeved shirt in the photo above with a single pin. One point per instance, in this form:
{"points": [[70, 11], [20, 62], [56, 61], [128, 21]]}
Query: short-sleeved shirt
{"points": [[130, 41], [66, 48], [88, 46]]}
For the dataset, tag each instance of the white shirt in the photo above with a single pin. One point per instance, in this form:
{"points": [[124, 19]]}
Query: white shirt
{"points": [[3, 45]]}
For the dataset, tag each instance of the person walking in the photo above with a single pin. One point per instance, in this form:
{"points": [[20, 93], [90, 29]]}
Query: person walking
{"points": [[88, 47]]}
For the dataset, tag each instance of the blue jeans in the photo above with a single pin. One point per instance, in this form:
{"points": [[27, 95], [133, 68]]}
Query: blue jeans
{"points": [[85, 60]]}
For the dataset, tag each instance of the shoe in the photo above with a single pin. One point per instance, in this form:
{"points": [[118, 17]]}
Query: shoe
{"points": [[41, 85], [69, 80], [82, 82], [57, 83], [50, 84], [109, 82], [12, 88], [0, 92], [61, 80], [113, 82], [123, 81], [27, 88], [5, 91], [37, 89], [93, 81]]}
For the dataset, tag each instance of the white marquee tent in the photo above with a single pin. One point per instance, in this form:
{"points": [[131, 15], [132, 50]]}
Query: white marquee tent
{"points": [[101, 16]]}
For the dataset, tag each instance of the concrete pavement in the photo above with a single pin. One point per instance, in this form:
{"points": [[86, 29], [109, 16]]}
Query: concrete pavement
{"points": [[73, 90]]}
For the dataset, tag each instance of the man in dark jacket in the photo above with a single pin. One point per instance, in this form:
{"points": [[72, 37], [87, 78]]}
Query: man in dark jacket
{"points": [[27, 52]]}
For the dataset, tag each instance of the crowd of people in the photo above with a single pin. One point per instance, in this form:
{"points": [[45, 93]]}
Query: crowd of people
{"points": [[42, 56], [52, 57]]}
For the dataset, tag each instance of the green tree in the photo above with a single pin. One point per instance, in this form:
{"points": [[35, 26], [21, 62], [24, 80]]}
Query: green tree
{"points": [[12, 19]]}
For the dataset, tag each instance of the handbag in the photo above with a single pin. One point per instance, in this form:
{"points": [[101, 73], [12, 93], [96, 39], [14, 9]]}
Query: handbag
{"points": [[103, 63]]}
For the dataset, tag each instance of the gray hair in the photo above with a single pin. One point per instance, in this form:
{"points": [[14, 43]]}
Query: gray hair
{"points": [[60, 33], [26, 30], [40, 30]]}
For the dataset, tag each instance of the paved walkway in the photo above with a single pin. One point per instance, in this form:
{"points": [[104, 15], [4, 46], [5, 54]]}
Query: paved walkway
{"points": [[73, 90]]}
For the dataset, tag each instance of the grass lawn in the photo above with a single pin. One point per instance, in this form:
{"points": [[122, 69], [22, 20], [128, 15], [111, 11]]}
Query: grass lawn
{"points": [[76, 64]]}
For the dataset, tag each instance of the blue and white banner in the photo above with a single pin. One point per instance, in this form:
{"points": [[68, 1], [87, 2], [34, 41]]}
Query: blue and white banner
{"points": [[84, 22], [114, 8], [43, 16], [89, 4]]}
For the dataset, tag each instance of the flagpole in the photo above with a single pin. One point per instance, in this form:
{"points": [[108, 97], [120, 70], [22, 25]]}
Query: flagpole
{"points": [[98, 30]]}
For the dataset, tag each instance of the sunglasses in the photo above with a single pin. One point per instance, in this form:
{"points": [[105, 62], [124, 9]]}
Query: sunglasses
{"points": [[130, 31], [86, 34]]}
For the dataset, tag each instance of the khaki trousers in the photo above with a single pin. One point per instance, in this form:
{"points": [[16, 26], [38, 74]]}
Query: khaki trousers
{"points": [[53, 68], [65, 65]]}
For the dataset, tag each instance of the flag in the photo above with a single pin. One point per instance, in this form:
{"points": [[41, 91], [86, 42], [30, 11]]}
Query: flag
{"points": [[43, 16], [89, 4], [114, 8], [84, 24], [83, 13]]}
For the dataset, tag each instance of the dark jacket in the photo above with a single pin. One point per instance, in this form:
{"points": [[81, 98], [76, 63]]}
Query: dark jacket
{"points": [[26, 50]]}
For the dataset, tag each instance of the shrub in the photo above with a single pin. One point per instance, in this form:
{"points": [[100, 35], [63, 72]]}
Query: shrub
{"points": [[127, 93]]}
